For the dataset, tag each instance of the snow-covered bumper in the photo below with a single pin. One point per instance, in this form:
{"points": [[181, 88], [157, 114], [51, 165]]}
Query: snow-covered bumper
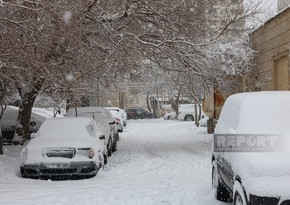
{"points": [[72, 169]]}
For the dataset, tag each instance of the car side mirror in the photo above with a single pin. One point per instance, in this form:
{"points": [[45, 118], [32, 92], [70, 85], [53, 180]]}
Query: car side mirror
{"points": [[120, 130], [112, 123], [102, 137]]}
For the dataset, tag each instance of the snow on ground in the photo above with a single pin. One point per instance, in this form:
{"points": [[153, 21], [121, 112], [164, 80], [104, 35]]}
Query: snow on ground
{"points": [[157, 162]]}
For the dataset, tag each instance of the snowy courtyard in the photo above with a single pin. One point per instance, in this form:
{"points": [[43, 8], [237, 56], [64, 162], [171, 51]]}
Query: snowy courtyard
{"points": [[157, 162]]}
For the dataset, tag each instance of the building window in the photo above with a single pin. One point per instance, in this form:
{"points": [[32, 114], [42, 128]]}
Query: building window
{"points": [[281, 74]]}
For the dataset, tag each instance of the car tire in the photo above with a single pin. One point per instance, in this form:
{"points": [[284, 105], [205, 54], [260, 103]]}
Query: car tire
{"points": [[114, 147], [239, 194], [105, 159], [109, 148], [220, 191], [188, 118]]}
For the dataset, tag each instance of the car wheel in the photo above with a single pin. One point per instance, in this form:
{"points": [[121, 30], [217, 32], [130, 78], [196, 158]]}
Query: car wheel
{"points": [[110, 147], [220, 191], [238, 199], [114, 147], [239, 194], [188, 118], [105, 159]]}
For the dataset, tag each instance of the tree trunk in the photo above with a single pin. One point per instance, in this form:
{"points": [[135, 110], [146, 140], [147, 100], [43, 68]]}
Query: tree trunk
{"points": [[1, 144], [28, 97], [196, 103], [196, 120], [23, 121], [175, 104], [3, 107]]}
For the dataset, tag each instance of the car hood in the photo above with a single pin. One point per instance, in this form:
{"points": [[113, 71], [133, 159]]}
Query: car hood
{"points": [[260, 170]]}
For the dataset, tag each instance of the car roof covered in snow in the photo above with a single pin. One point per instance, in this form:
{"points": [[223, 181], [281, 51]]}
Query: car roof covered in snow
{"points": [[10, 115], [265, 112], [68, 126]]}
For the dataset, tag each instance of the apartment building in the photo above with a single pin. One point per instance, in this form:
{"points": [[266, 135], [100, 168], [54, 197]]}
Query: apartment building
{"points": [[220, 12], [283, 4]]}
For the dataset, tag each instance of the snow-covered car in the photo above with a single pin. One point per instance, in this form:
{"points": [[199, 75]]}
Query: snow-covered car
{"points": [[138, 113], [106, 122], [64, 147], [186, 112], [123, 114], [249, 163], [118, 119], [9, 119], [169, 116]]}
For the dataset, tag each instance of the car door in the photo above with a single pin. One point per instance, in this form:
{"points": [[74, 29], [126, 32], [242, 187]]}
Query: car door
{"points": [[225, 170]]}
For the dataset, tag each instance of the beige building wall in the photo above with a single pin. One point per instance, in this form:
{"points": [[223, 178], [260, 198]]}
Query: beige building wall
{"points": [[283, 4], [272, 43]]}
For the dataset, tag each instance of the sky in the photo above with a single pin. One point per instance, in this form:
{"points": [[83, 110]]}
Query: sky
{"points": [[265, 4], [270, 4], [268, 9]]}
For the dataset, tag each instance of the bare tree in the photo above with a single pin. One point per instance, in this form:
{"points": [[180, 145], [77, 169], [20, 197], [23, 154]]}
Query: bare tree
{"points": [[63, 49]]}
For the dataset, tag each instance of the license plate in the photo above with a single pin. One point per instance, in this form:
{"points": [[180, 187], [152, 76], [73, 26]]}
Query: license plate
{"points": [[57, 165]]}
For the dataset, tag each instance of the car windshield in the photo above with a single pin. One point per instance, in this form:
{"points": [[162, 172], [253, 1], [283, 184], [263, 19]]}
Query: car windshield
{"points": [[66, 127]]}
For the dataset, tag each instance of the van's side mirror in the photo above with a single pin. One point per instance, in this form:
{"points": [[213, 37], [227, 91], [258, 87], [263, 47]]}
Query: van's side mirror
{"points": [[102, 137]]}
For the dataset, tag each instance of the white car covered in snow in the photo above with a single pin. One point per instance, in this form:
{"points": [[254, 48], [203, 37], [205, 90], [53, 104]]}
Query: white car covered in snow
{"points": [[123, 114], [104, 120], [250, 161], [186, 112], [118, 119], [169, 116], [64, 147]]}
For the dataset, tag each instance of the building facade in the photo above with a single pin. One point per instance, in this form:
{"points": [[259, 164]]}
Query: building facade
{"points": [[220, 12], [283, 4], [272, 43]]}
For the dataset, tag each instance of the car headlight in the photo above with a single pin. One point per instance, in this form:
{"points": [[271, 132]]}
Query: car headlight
{"points": [[89, 152]]}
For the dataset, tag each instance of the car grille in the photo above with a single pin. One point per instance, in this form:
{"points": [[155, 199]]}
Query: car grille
{"points": [[88, 170], [61, 152], [58, 171]]}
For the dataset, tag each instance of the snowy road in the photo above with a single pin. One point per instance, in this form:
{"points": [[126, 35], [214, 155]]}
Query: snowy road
{"points": [[157, 162]]}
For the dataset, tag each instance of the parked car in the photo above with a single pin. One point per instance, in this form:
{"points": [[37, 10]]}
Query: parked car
{"points": [[118, 119], [249, 165], [64, 147], [9, 120], [106, 122], [169, 116], [123, 114], [138, 113], [186, 112]]}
